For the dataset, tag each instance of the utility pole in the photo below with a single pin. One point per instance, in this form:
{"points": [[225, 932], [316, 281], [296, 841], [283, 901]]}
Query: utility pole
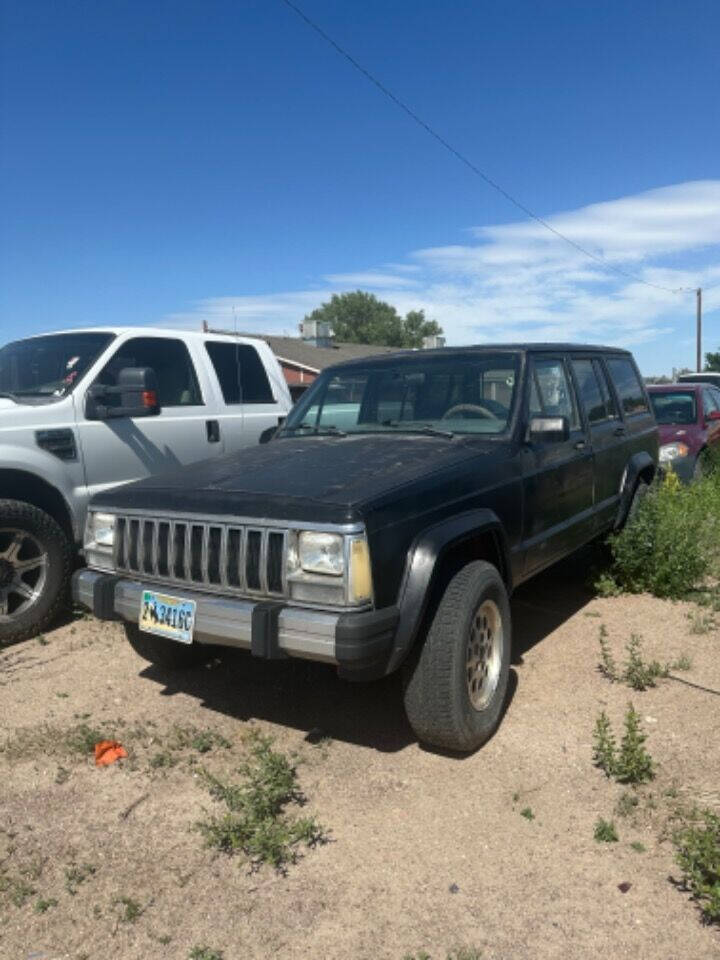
{"points": [[698, 294]]}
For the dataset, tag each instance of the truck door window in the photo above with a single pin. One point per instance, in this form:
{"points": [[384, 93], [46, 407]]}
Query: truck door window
{"points": [[554, 391], [589, 392], [627, 383], [240, 372], [611, 409], [169, 358]]}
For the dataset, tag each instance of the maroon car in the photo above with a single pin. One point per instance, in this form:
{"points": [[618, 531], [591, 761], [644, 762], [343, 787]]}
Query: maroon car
{"points": [[688, 415]]}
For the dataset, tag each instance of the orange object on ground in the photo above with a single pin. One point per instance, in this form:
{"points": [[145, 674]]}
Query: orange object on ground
{"points": [[107, 752]]}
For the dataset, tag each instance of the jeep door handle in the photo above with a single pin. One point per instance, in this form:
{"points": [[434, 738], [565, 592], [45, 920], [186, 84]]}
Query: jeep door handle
{"points": [[580, 445], [619, 432], [212, 428]]}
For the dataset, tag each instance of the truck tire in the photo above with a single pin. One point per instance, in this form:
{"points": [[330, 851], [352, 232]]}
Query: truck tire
{"points": [[456, 683], [165, 652], [35, 561]]}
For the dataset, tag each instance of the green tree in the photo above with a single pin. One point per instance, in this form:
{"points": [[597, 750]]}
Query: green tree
{"points": [[712, 361], [359, 317]]}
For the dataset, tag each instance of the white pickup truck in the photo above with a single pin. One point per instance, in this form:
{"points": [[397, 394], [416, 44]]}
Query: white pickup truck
{"points": [[84, 410]]}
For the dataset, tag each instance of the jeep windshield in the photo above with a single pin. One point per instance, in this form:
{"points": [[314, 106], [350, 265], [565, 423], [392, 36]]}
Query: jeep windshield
{"points": [[48, 367], [472, 393]]}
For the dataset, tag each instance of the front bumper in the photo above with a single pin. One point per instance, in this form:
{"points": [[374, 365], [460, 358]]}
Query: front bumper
{"points": [[359, 644]]}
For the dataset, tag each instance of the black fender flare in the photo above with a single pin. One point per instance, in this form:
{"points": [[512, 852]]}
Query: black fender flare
{"points": [[639, 463], [424, 558]]}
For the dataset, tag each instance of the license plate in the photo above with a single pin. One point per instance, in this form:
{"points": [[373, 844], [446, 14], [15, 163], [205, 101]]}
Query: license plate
{"points": [[170, 617]]}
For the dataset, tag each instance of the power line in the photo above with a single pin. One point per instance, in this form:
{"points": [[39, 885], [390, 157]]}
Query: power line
{"points": [[468, 163]]}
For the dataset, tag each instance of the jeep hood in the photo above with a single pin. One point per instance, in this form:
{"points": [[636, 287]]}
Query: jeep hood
{"points": [[323, 479]]}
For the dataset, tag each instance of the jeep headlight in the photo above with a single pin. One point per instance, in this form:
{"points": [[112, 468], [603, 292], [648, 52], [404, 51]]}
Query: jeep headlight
{"points": [[673, 451], [331, 569], [321, 553], [100, 539]]}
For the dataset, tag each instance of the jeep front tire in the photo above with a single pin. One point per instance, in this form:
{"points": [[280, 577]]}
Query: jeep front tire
{"points": [[456, 683]]}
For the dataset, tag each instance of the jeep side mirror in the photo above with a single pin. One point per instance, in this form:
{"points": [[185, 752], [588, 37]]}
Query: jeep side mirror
{"points": [[548, 429], [138, 392]]}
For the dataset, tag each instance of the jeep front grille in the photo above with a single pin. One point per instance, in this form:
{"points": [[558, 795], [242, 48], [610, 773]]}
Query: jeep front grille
{"points": [[215, 556]]}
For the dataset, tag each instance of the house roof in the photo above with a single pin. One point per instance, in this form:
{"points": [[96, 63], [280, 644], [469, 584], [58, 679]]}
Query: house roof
{"points": [[304, 354]]}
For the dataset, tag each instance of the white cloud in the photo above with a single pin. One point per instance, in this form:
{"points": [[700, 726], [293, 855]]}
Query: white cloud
{"points": [[520, 281]]}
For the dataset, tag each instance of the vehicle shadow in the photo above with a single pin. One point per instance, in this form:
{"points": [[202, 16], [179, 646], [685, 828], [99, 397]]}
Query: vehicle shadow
{"points": [[310, 698], [547, 601]]}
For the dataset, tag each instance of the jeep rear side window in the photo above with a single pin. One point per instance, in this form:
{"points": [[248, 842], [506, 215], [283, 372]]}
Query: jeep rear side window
{"points": [[554, 392], [593, 391], [627, 384], [177, 381], [241, 373]]}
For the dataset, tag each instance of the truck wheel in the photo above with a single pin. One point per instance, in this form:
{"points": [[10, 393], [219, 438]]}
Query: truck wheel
{"points": [[166, 653], [456, 683], [35, 558]]}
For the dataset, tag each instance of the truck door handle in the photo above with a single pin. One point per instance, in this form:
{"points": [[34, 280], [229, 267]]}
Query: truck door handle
{"points": [[212, 428], [580, 445], [619, 432]]}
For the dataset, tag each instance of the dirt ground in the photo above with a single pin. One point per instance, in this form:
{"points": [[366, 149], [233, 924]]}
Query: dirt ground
{"points": [[428, 852]]}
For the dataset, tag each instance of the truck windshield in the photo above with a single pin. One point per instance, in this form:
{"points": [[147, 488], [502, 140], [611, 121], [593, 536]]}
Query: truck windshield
{"points": [[48, 366], [444, 395]]}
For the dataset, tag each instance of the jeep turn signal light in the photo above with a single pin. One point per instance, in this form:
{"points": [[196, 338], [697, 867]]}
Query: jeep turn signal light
{"points": [[149, 398], [360, 580]]}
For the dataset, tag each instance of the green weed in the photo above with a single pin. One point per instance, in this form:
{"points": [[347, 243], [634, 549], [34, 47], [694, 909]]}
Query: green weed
{"points": [[205, 953], [42, 906], [255, 823], [631, 762], [638, 847], [627, 804], [527, 813], [605, 831], [76, 874], [697, 851], [607, 666], [131, 909]]}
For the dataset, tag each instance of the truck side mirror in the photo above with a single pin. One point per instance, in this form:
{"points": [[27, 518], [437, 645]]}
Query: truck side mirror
{"points": [[548, 429], [138, 392]]}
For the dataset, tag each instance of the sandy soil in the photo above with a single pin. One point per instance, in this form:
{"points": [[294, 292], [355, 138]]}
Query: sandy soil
{"points": [[427, 853]]}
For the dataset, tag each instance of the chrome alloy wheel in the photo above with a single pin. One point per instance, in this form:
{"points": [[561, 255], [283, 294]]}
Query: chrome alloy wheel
{"points": [[484, 654], [23, 571]]}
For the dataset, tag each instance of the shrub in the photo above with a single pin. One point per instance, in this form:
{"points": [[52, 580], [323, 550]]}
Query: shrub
{"points": [[698, 855], [671, 545]]}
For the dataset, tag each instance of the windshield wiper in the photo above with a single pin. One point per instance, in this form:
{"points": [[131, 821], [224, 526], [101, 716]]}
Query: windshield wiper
{"points": [[327, 429], [427, 428]]}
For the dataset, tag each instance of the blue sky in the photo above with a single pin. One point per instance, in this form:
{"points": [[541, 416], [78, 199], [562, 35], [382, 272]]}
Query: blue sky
{"points": [[178, 161]]}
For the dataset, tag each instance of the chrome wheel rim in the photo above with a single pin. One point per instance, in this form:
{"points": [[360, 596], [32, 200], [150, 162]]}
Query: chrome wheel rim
{"points": [[23, 571], [484, 654]]}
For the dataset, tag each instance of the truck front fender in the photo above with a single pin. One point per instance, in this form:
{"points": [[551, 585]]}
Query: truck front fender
{"points": [[424, 561]]}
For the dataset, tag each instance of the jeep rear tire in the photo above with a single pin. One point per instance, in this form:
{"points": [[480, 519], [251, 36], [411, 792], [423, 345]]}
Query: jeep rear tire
{"points": [[35, 559], [163, 651], [456, 683]]}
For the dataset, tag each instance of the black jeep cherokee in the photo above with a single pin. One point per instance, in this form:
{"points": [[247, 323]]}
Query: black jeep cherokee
{"points": [[386, 523]]}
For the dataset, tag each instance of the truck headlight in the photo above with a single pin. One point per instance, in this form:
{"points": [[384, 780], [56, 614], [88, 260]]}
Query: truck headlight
{"points": [[673, 451], [321, 553], [330, 569], [100, 539]]}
